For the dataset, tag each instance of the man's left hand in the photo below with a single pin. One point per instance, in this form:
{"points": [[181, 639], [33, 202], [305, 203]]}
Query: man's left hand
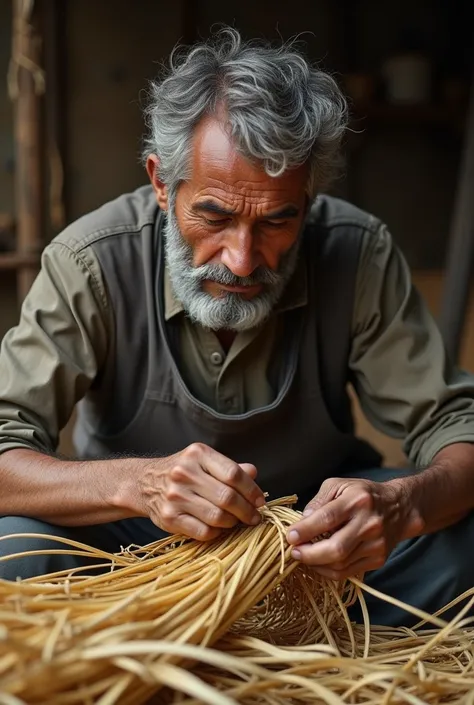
{"points": [[365, 520]]}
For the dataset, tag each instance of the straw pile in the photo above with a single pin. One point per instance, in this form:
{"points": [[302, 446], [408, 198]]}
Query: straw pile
{"points": [[233, 621]]}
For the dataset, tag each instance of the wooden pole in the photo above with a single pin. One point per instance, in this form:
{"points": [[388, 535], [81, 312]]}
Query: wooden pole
{"points": [[26, 84], [55, 118]]}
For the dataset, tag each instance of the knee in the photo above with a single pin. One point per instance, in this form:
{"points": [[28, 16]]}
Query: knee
{"points": [[13, 566], [10, 526]]}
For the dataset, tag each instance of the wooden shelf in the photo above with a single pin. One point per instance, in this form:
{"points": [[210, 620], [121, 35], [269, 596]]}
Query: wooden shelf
{"points": [[15, 260]]}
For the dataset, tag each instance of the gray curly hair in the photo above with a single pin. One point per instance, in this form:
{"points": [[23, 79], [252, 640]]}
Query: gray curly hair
{"points": [[279, 110]]}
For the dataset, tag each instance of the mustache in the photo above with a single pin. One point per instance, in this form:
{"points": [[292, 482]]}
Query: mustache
{"points": [[220, 274]]}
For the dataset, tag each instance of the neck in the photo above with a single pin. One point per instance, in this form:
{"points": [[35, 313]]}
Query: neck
{"points": [[226, 338]]}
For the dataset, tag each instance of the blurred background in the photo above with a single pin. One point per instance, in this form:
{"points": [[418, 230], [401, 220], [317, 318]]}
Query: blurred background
{"points": [[73, 80]]}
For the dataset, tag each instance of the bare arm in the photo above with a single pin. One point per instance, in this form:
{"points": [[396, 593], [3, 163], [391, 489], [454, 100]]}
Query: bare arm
{"points": [[443, 493], [68, 493], [196, 492]]}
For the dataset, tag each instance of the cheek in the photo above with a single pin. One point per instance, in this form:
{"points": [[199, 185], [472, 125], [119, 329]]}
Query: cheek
{"points": [[275, 246], [205, 246], [205, 251]]}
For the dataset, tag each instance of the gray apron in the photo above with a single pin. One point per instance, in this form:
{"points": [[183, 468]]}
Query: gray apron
{"points": [[304, 436]]}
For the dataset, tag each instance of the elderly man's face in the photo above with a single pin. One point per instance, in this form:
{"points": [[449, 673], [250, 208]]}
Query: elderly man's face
{"points": [[232, 213], [232, 238]]}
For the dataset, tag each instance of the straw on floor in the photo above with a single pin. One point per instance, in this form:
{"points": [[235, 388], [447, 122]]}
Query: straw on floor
{"points": [[233, 621]]}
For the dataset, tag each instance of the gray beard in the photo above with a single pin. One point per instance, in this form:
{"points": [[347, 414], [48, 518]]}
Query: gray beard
{"points": [[231, 311]]}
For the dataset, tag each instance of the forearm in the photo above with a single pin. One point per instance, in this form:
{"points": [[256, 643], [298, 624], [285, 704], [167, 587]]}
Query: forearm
{"points": [[444, 492], [68, 493]]}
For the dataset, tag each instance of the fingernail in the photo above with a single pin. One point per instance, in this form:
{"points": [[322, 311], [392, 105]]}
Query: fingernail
{"points": [[308, 511], [260, 502], [256, 519], [296, 554], [293, 536]]}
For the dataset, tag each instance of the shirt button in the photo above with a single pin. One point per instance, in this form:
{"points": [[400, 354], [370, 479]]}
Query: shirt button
{"points": [[216, 358]]}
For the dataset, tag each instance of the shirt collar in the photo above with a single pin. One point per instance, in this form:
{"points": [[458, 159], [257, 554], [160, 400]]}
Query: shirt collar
{"points": [[294, 296]]}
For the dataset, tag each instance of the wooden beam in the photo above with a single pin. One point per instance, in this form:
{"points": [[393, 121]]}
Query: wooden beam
{"points": [[26, 82], [12, 260]]}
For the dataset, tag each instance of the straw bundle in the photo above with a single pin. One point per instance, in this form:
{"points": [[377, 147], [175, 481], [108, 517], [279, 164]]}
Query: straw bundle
{"points": [[145, 628]]}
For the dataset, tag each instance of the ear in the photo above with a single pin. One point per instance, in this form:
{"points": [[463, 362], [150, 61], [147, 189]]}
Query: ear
{"points": [[160, 189]]}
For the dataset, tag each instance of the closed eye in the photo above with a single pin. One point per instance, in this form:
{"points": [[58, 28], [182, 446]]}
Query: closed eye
{"points": [[215, 221], [275, 223], [222, 221]]}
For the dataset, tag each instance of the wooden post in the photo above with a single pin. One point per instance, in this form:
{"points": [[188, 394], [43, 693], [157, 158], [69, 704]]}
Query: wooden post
{"points": [[26, 82], [55, 118]]}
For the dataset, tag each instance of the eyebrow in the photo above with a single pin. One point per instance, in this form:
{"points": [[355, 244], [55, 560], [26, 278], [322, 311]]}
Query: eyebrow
{"points": [[211, 207]]}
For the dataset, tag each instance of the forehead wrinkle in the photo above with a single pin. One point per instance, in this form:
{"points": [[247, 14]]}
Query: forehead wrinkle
{"points": [[243, 186], [246, 204], [268, 185], [229, 193]]}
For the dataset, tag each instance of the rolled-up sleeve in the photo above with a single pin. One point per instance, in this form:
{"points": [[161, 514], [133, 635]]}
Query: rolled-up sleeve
{"points": [[51, 358], [406, 386]]}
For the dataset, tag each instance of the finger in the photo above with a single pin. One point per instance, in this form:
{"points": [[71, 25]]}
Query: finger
{"points": [[191, 527], [367, 549], [224, 500], [327, 518], [210, 514], [231, 474], [250, 469], [332, 551], [369, 555], [356, 568], [338, 548], [327, 492], [373, 527]]}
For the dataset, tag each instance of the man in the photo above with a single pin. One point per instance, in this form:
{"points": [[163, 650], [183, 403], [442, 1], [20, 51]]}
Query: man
{"points": [[209, 324]]}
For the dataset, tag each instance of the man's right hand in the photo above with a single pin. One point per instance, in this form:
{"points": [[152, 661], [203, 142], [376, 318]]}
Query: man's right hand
{"points": [[198, 492]]}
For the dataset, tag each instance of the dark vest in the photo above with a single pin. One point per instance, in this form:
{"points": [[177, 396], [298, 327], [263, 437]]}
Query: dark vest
{"points": [[139, 405]]}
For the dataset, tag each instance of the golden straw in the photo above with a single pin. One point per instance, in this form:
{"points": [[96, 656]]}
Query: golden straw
{"points": [[236, 620]]}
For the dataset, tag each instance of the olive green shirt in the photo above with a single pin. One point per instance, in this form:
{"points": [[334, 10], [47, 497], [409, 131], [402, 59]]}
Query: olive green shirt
{"points": [[397, 363]]}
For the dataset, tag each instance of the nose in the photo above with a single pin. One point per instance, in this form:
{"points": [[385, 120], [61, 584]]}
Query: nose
{"points": [[239, 253]]}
